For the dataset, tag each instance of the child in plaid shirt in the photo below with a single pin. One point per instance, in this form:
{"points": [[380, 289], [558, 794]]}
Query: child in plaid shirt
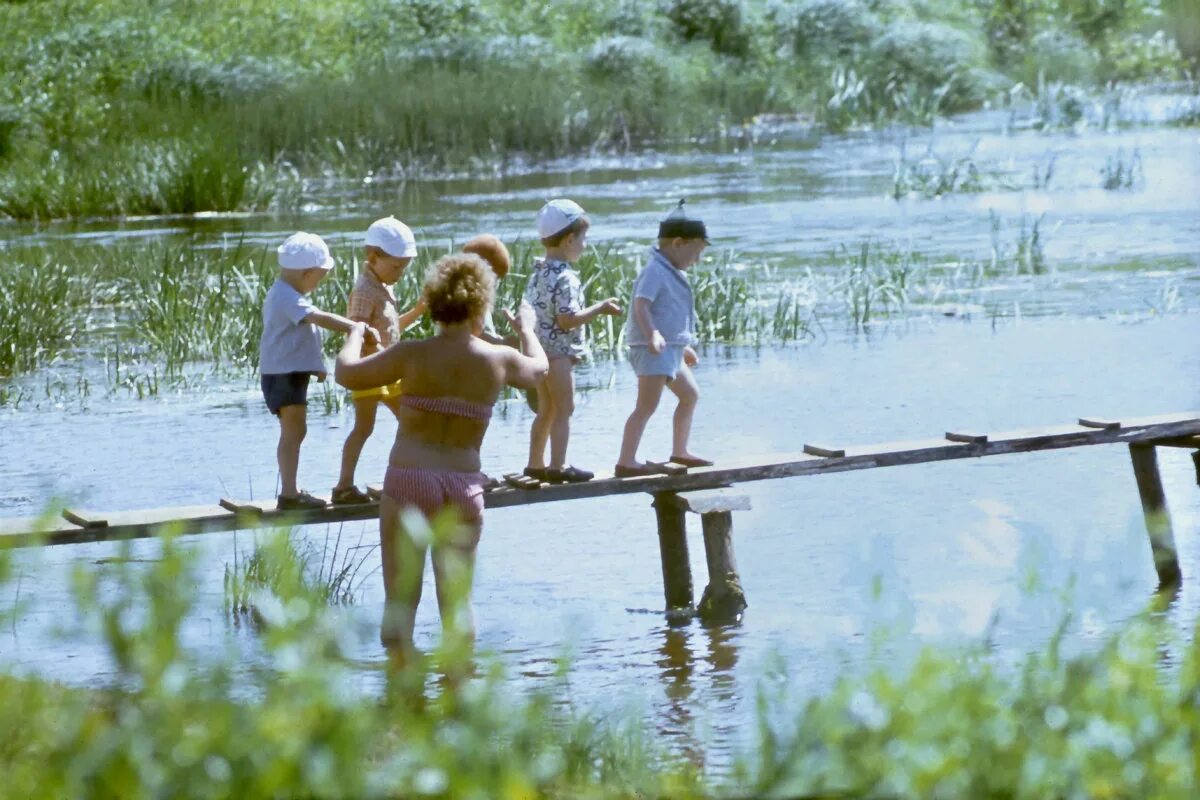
{"points": [[390, 248]]}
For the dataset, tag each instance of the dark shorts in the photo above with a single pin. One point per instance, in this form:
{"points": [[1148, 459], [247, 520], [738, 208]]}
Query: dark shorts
{"points": [[285, 389]]}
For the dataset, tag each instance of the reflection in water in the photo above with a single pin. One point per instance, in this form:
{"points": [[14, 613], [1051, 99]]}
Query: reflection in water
{"points": [[679, 671]]}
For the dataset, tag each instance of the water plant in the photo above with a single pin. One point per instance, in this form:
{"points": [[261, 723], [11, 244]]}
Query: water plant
{"points": [[1120, 173], [933, 175], [330, 572]]}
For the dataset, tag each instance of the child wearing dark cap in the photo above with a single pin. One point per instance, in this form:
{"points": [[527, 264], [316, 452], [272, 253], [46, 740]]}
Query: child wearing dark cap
{"points": [[660, 330]]}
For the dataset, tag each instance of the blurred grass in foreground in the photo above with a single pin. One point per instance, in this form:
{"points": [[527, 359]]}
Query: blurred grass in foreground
{"points": [[1117, 722]]}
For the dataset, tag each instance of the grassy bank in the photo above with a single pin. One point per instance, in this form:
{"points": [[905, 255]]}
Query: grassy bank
{"points": [[120, 108], [1116, 721]]}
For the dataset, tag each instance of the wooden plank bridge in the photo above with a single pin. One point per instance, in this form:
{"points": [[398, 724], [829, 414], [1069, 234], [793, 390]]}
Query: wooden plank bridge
{"points": [[704, 491]]}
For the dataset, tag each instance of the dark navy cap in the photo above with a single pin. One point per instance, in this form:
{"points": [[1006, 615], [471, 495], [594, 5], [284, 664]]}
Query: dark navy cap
{"points": [[678, 224]]}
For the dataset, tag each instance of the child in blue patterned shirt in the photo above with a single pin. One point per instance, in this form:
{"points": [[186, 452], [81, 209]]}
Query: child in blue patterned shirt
{"points": [[556, 294]]}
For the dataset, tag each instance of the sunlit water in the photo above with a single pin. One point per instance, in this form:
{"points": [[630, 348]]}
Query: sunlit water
{"points": [[954, 552]]}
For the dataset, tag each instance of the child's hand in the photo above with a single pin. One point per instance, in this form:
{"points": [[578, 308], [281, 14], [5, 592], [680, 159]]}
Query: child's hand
{"points": [[371, 337], [657, 342], [524, 319], [689, 357], [611, 306]]}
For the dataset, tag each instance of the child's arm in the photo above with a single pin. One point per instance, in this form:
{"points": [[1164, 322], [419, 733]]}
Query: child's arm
{"points": [[411, 317], [642, 318], [336, 322], [527, 366], [569, 321], [355, 371]]}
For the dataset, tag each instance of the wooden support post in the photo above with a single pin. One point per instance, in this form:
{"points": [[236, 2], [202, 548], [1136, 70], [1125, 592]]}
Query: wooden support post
{"points": [[723, 600], [672, 546], [1158, 520], [1196, 461]]}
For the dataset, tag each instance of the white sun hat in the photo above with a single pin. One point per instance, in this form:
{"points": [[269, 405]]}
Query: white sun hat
{"points": [[556, 216], [304, 251], [392, 237]]}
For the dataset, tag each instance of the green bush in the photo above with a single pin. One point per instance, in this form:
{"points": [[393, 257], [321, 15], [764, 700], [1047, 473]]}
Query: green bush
{"points": [[931, 58], [825, 29], [1061, 54], [720, 23]]}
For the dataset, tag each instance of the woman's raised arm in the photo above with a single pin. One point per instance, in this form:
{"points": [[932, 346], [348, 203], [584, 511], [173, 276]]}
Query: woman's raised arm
{"points": [[527, 367], [379, 369]]}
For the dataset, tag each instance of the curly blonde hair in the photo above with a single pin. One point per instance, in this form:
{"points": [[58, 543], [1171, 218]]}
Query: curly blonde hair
{"points": [[459, 287]]}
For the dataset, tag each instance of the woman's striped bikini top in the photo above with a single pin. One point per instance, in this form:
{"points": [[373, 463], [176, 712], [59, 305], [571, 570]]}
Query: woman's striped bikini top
{"points": [[453, 406]]}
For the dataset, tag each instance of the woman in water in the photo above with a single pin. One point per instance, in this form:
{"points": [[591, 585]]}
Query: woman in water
{"points": [[451, 381]]}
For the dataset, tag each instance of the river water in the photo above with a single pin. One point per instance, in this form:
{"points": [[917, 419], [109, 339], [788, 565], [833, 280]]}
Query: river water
{"points": [[842, 572]]}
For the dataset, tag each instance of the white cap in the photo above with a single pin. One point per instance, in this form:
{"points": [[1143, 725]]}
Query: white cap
{"points": [[556, 216], [304, 251], [392, 237]]}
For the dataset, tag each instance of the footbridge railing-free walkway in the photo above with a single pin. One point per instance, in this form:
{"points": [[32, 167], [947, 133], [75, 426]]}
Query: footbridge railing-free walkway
{"points": [[704, 491]]}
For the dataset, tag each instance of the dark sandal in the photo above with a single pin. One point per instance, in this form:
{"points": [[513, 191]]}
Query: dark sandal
{"points": [[569, 475], [301, 502], [350, 496]]}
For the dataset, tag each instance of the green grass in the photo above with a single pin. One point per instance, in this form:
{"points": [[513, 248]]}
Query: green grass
{"points": [[113, 108], [1113, 719], [328, 571], [160, 316]]}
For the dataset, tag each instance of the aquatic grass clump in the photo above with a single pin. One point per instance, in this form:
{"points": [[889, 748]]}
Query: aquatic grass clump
{"points": [[330, 572], [1121, 173], [44, 311], [932, 175]]}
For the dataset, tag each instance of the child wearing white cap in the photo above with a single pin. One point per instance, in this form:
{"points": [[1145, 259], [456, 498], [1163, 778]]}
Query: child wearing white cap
{"points": [[661, 329], [556, 294], [290, 352], [390, 248]]}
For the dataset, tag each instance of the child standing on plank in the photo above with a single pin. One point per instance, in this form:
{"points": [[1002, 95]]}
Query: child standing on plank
{"points": [[390, 248], [556, 294], [661, 329], [290, 352]]}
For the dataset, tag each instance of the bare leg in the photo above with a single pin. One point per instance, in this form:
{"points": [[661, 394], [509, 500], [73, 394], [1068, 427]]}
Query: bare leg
{"points": [[685, 388], [649, 392], [454, 573], [364, 425], [293, 427], [539, 433], [561, 382], [403, 570]]}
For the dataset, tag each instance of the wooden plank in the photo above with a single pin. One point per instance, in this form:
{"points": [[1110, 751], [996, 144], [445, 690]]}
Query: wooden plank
{"points": [[731, 471], [823, 452], [705, 502], [1103, 424], [84, 519], [966, 438], [1189, 442], [240, 506], [668, 467]]}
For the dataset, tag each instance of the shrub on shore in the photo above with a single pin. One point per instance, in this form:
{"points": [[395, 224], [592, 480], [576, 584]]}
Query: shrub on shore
{"points": [[113, 112]]}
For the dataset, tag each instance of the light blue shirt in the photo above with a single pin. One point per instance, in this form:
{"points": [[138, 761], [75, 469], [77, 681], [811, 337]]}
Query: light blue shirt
{"points": [[672, 308], [288, 343]]}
